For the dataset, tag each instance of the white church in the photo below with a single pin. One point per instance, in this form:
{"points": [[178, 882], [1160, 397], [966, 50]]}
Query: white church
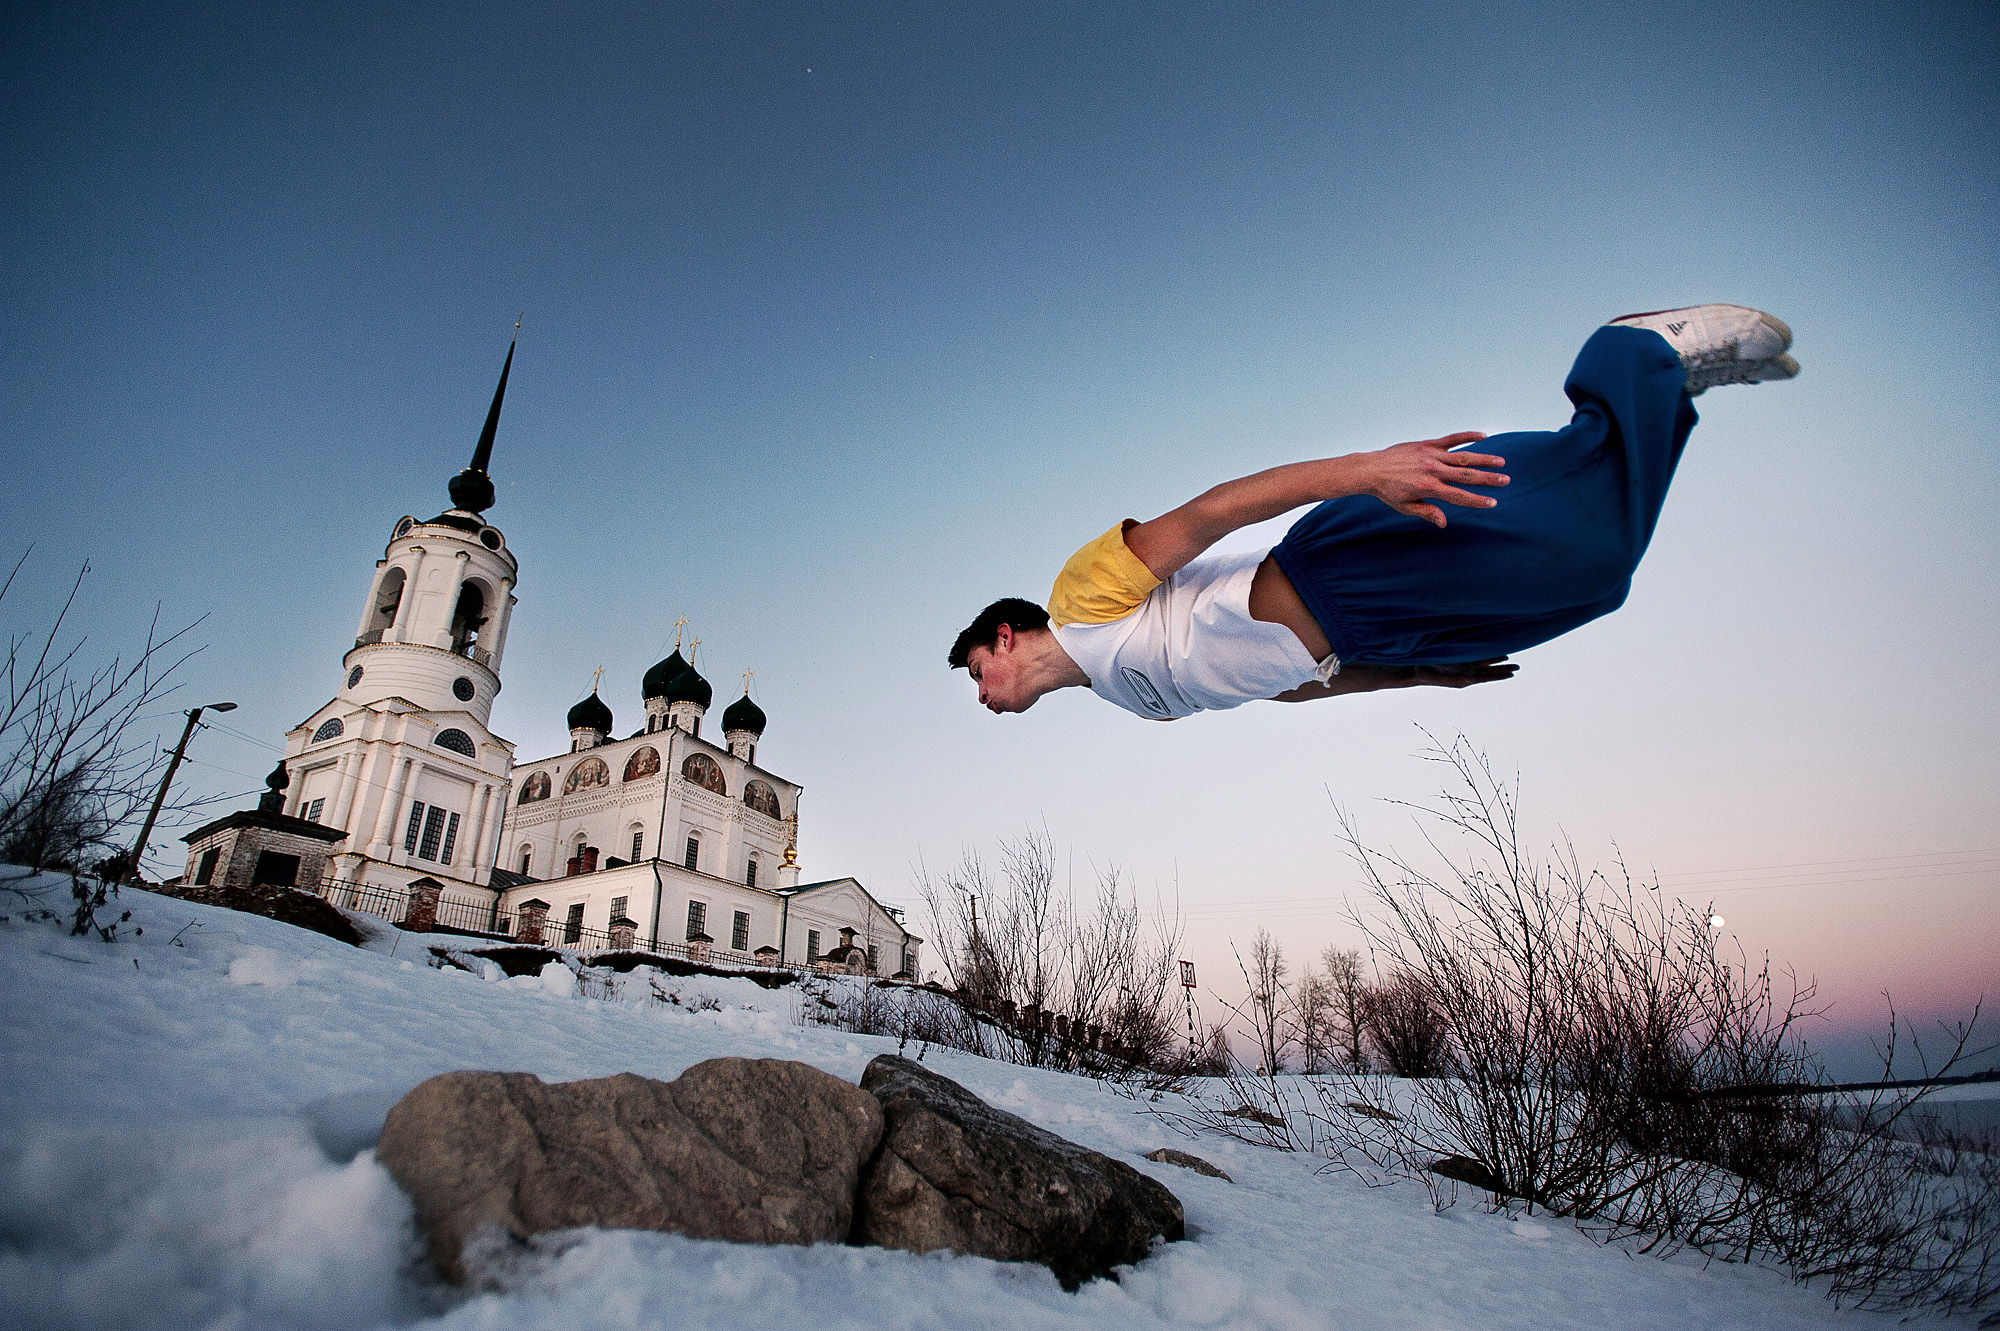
{"points": [[397, 791]]}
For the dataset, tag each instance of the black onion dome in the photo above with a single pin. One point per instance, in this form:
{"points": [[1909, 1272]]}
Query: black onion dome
{"points": [[654, 685], [743, 714], [591, 714], [689, 686]]}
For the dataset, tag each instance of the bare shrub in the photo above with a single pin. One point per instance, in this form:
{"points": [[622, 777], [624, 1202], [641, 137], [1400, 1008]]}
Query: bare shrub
{"points": [[74, 769], [1575, 1041]]}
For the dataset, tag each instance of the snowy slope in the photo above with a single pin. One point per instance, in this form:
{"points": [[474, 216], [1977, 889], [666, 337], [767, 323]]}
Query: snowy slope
{"points": [[185, 1117]]}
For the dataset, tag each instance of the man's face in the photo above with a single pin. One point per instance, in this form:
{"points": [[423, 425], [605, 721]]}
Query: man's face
{"points": [[997, 670]]}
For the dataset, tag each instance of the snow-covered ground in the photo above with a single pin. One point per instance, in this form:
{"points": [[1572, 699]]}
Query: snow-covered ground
{"points": [[186, 1117]]}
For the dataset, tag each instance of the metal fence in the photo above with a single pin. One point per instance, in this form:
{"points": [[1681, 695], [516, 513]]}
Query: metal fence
{"points": [[387, 903], [392, 904]]}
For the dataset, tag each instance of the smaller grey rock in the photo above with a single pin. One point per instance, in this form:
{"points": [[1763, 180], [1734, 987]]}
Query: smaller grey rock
{"points": [[1254, 1115], [1464, 1169], [1167, 1155], [754, 1150], [955, 1173]]}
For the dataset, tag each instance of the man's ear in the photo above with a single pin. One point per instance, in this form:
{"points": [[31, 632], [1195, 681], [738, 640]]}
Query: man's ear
{"points": [[1003, 638]]}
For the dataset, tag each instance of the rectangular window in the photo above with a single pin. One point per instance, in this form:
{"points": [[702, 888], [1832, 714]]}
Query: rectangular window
{"points": [[450, 839], [427, 844], [638, 846], [739, 932], [275, 870], [573, 925], [205, 869], [416, 826], [692, 857], [618, 908], [812, 945], [872, 963], [313, 810], [697, 918], [750, 872]]}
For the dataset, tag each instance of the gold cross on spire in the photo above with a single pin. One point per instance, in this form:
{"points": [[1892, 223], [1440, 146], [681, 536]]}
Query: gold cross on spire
{"points": [[694, 649], [596, 678], [746, 682], [680, 627]]}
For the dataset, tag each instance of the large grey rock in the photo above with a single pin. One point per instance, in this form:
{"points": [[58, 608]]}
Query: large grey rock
{"points": [[958, 1174], [756, 1150]]}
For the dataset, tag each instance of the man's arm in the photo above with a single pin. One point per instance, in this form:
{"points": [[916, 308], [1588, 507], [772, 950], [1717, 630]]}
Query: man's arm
{"points": [[1411, 478], [1365, 678]]}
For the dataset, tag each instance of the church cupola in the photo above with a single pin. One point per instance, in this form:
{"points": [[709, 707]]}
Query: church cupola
{"points": [[688, 697], [589, 723], [743, 725], [653, 687]]}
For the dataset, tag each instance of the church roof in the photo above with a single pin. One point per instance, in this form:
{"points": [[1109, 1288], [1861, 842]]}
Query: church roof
{"points": [[472, 489], [591, 714], [689, 686], [654, 685], [743, 714]]}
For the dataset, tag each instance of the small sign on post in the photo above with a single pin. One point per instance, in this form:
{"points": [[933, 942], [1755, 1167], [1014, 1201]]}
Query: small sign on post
{"points": [[1187, 974]]}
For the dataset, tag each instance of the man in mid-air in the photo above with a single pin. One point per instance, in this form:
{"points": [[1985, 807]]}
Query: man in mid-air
{"points": [[1362, 595]]}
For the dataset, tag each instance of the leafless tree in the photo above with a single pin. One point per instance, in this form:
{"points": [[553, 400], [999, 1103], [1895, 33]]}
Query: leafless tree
{"points": [[1349, 991], [1314, 1022], [1268, 1008], [1019, 950]]}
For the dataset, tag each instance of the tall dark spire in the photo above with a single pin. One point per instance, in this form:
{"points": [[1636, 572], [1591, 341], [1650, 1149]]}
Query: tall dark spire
{"points": [[472, 489]]}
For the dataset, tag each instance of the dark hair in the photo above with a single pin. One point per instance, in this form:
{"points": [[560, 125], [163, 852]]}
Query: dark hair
{"points": [[1017, 614]]}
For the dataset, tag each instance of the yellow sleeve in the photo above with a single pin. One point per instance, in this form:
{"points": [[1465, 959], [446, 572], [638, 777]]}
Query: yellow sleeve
{"points": [[1101, 582]]}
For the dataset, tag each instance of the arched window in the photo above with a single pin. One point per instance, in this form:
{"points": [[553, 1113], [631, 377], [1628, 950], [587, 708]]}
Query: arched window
{"points": [[705, 772], [643, 763], [527, 858], [586, 774], [329, 729], [469, 617], [759, 796], [457, 741], [750, 872], [388, 597], [535, 788]]}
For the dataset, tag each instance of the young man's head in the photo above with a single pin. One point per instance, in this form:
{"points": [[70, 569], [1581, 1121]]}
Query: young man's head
{"points": [[998, 649]]}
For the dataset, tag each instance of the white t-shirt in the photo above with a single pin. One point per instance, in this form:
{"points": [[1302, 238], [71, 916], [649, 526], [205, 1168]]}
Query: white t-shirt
{"points": [[1190, 645]]}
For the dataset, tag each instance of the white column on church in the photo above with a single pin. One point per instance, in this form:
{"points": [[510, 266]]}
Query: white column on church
{"points": [[497, 642], [475, 845], [345, 769], [385, 823], [460, 563], [413, 583]]}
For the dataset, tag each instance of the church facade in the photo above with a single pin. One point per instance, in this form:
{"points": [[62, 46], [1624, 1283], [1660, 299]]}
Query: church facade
{"points": [[662, 839]]}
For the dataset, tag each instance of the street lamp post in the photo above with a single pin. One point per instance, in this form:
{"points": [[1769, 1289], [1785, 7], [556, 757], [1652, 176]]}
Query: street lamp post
{"points": [[160, 795]]}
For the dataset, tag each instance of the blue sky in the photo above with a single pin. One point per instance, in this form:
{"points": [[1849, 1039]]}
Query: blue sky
{"points": [[843, 319]]}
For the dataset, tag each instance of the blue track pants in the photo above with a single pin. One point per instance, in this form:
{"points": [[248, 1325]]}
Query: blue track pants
{"points": [[1558, 550]]}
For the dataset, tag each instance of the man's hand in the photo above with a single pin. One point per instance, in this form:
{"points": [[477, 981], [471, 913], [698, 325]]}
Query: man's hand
{"points": [[1364, 678], [1413, 478]]}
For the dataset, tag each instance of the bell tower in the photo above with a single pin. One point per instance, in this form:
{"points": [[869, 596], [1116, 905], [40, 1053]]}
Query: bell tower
{"points": [[435, 622], [402, 760]]}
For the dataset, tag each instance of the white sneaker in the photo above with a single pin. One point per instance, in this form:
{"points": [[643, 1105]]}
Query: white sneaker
{"points": [[1722, 344]]}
